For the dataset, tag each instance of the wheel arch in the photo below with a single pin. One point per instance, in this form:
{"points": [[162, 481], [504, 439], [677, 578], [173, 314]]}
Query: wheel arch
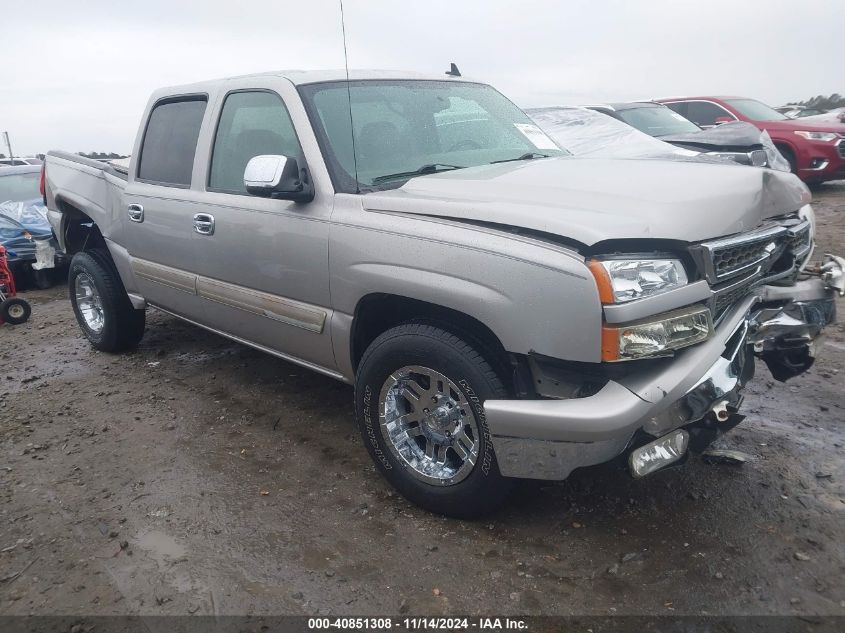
{"points": [[377, 312], [79, 231], [790, 147]]}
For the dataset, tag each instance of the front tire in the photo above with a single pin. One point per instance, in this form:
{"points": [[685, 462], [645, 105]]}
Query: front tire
{"points": [[101, 305], [419, 395]]}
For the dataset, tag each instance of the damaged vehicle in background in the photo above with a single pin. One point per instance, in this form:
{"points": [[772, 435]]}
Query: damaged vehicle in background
{"points": [[32, 248], [502, 308], [589, 131], [740, 142], [815, 150]]}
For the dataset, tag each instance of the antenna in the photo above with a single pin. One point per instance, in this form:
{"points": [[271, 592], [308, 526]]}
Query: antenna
{"points": [[349, 97], [453, 70]]}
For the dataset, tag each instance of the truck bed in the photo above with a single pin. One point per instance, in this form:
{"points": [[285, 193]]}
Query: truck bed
{"points": [[86, 185]]}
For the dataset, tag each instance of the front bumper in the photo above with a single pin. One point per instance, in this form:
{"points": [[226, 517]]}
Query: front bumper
{"points": [[547, 439], [823, 161]]}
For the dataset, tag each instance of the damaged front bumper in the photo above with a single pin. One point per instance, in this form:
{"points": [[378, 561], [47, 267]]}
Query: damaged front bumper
{"points": [[699, 388]]}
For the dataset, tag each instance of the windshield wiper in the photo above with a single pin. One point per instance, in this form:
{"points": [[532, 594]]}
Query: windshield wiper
{"points": [[430, 168], [525, 156]]}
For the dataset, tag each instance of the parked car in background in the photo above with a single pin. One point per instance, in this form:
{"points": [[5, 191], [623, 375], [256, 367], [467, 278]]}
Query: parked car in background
{"points": [[655, 119], [590, 132], [585, 132], [740, 143], [799, 111], [16, 162], [35, 256], [502, 308], [834, 115], [815, 151], [22, 246]]}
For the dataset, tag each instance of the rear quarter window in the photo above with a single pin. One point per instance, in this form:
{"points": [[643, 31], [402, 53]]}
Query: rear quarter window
{"points": [[170, 141]]}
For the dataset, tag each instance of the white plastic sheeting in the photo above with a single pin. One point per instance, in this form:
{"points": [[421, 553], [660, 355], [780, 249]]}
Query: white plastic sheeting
{"points": [[30, 213], [585, 132], [45, 255]]}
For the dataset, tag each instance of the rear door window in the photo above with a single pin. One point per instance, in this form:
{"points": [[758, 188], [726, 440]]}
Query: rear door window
{"points": [[251, 124], [170, 142], [680, 107], [705, 113]]}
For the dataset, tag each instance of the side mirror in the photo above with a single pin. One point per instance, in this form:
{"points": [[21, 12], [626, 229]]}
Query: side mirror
{"points": [[723, 119], [279, 177]]}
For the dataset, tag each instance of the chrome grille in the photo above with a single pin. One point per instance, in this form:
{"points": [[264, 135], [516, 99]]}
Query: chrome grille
{"points": [[733, 259], [733, 256], [799, 241], [735, 265], [759, 158], [841, 146], [725, 297]]}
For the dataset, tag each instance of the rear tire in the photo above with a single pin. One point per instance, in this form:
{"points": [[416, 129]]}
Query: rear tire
{"points": [[15, 311], [101, 305], [440, 454]]}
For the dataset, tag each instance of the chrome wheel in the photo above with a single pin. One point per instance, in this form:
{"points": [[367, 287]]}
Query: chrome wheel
{"points": [[16, 311], [89, 302], [429, 425]]}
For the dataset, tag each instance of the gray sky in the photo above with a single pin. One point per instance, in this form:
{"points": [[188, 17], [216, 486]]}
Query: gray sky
{"points": [[76, 74]]}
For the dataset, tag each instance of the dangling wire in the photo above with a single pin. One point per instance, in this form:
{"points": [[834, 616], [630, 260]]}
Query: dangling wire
{"points": [[349, 97]]}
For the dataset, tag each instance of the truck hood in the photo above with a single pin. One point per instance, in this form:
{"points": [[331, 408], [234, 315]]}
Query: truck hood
{"points": [[591, 200]]}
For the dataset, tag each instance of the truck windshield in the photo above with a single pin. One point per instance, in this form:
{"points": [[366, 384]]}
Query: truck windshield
{"points": [[406, 128], [657, 121], [757, 111]]}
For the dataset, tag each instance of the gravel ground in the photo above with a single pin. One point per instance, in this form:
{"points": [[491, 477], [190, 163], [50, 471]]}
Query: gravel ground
{"points": [[197, 476]]}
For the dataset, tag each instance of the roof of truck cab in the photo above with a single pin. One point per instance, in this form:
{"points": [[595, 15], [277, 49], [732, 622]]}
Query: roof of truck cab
{"points": [[302, 77]]}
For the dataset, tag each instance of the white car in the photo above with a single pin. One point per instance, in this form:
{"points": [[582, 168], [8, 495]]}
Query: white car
{"points": [[17, 162]]}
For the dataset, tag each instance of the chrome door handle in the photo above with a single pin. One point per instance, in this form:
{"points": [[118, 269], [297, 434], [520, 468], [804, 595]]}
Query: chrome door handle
{"points": [[136, 212], [204, 223]]}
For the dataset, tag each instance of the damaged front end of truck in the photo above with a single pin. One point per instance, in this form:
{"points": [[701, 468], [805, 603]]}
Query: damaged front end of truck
{"points": [[766, 299]]}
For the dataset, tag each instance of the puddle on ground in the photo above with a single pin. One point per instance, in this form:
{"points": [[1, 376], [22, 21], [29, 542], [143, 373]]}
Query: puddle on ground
{"points": [[161, 547]]}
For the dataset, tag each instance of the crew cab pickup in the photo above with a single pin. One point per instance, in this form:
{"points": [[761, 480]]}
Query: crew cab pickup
{"points": [[503, 309]]}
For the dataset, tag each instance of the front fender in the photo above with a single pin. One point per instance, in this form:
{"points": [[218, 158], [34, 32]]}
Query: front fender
{"points": [[534, 297]]}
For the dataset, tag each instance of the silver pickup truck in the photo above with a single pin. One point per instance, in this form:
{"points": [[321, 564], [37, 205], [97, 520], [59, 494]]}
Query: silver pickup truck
{"points": [[502, 308]]}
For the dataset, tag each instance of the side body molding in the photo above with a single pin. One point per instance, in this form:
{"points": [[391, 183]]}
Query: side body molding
{"points": [[282, 309]]}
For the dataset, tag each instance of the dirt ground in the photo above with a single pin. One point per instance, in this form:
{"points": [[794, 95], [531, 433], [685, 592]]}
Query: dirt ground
{"points": [[197, 476]]}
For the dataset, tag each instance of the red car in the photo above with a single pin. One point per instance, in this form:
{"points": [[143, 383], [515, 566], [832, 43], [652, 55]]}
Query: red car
{"points": [[815, 151]]}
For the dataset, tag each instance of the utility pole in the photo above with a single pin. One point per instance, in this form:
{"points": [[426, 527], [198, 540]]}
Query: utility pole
{"points": [[8, 144]]}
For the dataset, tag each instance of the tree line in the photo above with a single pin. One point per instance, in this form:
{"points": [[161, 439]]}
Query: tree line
{"points": [[835, 100], [100, 155]]}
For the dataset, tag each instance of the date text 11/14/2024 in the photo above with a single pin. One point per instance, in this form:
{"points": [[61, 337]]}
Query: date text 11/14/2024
{"points": [[418, 624]]}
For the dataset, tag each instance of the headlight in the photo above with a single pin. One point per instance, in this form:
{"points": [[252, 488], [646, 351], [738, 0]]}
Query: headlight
{"points": [[817, 136], [656, 336], [621, 280]]}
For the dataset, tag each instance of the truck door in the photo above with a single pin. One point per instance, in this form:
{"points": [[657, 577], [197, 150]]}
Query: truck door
{"points": [[159, 205], [262, 263]]}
